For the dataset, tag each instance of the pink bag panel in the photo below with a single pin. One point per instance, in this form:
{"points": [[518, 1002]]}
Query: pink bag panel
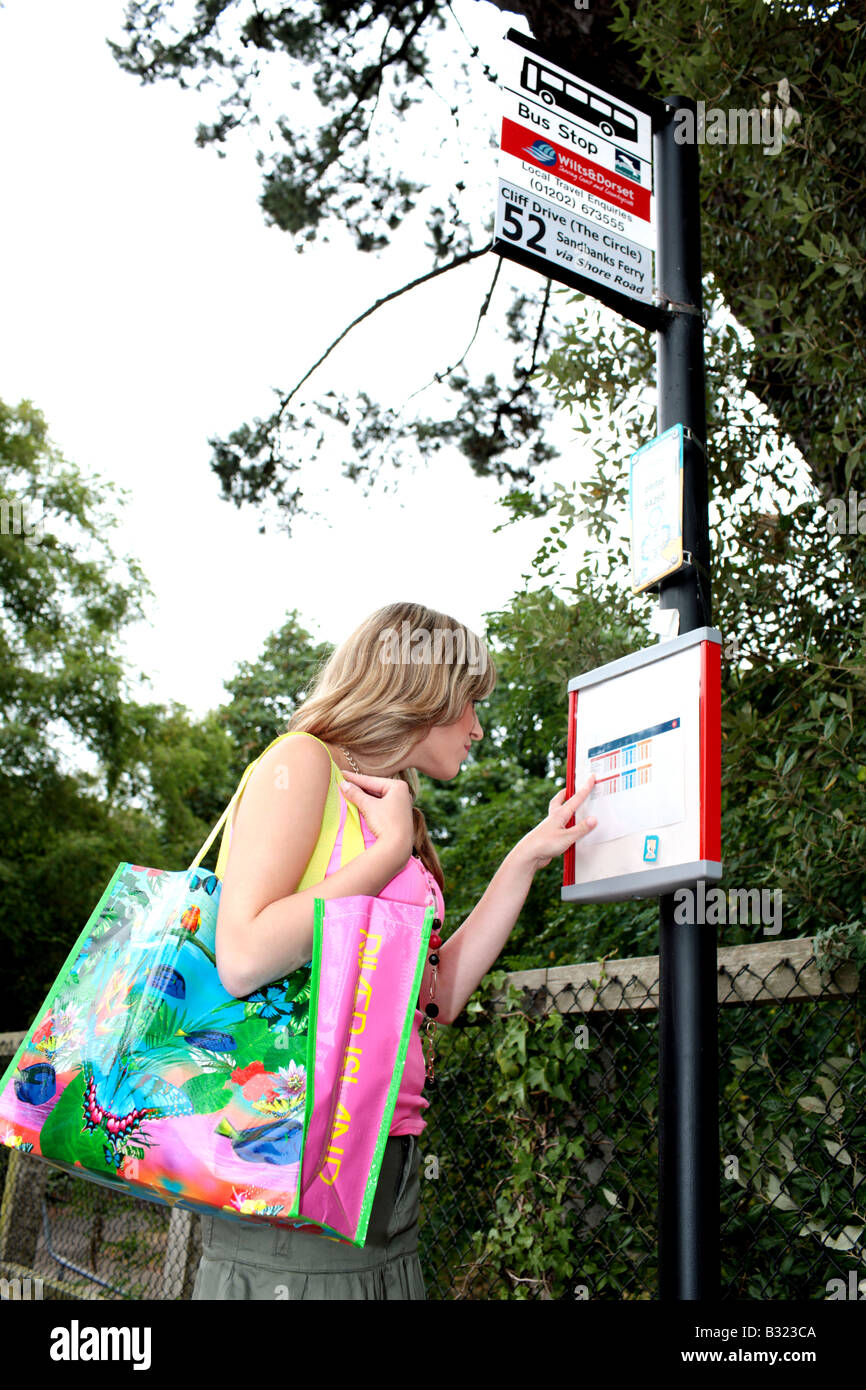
{"points": [[370, 968]]}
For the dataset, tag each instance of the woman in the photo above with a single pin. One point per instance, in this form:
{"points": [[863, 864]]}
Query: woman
{"points": [[382, 710]]}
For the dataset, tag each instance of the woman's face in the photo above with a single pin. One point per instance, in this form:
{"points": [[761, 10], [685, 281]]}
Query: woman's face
{"points": [[440, 753]]}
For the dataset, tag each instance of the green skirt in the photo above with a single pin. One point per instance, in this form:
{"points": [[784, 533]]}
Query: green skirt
{"points": [[272, 1262]]}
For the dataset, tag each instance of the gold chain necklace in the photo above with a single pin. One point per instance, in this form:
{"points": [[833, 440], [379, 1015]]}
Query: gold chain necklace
{"points": [[351, 761]]}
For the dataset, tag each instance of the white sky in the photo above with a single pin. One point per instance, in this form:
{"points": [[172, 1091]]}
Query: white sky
{"points": [[146, 306]]}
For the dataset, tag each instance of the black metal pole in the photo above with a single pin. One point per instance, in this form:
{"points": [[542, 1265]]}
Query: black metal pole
{"points": [[688, 1026]]}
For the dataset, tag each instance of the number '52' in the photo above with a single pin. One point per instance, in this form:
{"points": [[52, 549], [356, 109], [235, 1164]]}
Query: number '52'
{"points": [[512, 228]]}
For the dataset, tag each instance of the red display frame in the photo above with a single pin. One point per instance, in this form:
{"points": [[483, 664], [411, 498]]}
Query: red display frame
{"points": [[705, 860]]}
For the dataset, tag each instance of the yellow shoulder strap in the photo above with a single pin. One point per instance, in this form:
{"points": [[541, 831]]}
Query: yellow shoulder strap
{"points": [[353, 839]]}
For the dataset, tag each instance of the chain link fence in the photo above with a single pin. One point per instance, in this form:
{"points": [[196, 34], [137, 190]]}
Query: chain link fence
{"points": [[554, 1194], [75, 1239], [540, 1158]]}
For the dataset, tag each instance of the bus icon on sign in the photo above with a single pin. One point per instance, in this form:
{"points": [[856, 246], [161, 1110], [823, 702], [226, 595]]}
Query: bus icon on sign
{"points": [[571, 96]]}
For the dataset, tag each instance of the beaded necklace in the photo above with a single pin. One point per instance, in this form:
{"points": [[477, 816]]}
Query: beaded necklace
{"points": [[428, 1041]]}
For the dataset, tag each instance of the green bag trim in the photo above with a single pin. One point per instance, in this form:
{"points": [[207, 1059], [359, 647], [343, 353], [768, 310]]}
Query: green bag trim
{"points": [[391, 1099], [62, 975], [312, 1029]]}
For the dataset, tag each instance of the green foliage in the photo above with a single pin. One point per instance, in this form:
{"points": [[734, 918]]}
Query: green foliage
{"points": [[792, 801], [839, 945], [792, 1142], [63, 607], [63, 691], [558, 1162], [782, 233], [361, 58], [265, 693], [550, 1124]]}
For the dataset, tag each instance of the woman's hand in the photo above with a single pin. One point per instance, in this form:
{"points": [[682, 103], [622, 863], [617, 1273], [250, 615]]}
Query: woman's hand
{"points": [[553, 836], [386, 805], [471, 951]]}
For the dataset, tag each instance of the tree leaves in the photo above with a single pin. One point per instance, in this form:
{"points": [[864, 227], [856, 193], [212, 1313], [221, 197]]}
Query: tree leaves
{"points": [[782, 237]]}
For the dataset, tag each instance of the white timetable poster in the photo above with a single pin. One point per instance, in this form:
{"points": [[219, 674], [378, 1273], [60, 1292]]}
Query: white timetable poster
{"points": [[638, 778]]}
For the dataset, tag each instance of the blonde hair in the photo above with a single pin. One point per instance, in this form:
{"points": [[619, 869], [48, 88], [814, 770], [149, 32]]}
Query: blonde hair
{"points": [[404, 670]]}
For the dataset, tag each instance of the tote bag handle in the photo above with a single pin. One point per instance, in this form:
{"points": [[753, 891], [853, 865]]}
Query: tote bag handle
{"points": [[221, 823]]}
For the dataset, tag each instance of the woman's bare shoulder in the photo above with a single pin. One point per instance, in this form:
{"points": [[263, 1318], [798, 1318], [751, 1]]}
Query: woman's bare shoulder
{"points": [[277, 824], [288, 786], [300, 750]]}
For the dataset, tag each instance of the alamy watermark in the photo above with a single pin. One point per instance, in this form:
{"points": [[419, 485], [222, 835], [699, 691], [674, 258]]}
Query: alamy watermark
{"points": [[418, 646], [21, 1290], [853, 1288], [739, 906], [77, 1343], [738, 125], [22, 516], [847, 516]]}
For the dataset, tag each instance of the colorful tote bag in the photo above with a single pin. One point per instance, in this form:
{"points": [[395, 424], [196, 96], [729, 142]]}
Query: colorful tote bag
{"points": [[141, 1072]]}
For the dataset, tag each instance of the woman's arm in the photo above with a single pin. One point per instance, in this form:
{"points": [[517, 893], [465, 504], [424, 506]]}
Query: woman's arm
{"points": [[466, 957], [264, 926]]}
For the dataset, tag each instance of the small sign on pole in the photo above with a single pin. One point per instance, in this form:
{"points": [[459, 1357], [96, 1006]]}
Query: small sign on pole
{"points": [[655, 494]]}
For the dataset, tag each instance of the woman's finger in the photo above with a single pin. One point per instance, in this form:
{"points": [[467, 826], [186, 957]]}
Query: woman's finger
{"points": [[568, 807], [377, 785], [581, 793], [584, 826]]}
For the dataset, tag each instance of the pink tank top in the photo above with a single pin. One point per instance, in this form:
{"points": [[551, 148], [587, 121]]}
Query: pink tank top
{"points": [[413, 884]]}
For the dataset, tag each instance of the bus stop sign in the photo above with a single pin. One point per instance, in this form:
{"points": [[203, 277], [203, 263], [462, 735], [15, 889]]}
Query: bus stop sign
{"points": [[575, 199]]}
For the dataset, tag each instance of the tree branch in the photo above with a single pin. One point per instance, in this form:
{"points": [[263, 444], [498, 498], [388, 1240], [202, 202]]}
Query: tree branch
{"points": [[386, 299], [439, 377]]}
